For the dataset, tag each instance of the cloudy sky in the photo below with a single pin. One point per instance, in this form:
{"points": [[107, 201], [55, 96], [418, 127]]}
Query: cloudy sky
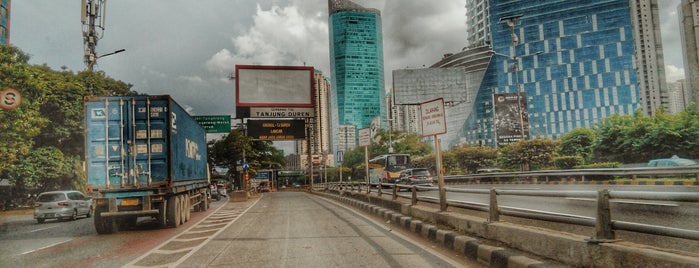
{"points": [[187, 49]]}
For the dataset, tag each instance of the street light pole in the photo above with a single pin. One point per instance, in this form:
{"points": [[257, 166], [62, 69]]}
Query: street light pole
{"points": [[511, 22]]}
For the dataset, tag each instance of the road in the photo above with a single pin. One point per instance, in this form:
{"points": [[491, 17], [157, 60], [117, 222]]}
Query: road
{"points": [[289, 229]]}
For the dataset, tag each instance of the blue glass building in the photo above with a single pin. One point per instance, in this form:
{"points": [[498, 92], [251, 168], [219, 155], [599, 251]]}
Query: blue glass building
{"points": [[356, 61], [575, 65], [5, 22]]}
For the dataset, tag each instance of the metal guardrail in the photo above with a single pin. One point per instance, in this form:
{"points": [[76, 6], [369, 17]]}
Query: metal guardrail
{"points": [[584, 174], [603, 223]]}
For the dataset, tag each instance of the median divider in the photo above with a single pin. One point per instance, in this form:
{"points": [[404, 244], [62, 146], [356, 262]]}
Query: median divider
{"points": [[467, 246], [504, 244]]}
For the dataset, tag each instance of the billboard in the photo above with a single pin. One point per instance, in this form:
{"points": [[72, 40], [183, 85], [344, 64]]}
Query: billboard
{"points": [[415, 86], [275, 130], [508, 124], [281, 87]]}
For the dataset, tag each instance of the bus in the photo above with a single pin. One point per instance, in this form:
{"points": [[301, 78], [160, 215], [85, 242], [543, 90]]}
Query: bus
{"points": [[387, 168]]}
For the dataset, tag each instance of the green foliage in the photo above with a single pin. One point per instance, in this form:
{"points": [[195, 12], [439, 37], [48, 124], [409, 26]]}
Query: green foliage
{"points": [[578, 142], [471, 158], [567, 161], [41, 141], [43, 169], [530, 154], [639, 138]]}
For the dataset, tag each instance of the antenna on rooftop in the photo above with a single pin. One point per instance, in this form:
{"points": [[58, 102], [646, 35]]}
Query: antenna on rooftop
{"points": [[92, 16]]}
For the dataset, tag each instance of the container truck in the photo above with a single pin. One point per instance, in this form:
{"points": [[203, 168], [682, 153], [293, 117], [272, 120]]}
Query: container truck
{"points": [[144, 156]]}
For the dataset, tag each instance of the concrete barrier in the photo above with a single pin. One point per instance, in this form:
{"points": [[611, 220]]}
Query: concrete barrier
{"points": [[478, 239]]}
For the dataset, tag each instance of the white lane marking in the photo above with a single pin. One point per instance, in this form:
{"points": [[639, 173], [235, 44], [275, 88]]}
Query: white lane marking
{"points": [[52, 245], [41, 229], [191, 250]]}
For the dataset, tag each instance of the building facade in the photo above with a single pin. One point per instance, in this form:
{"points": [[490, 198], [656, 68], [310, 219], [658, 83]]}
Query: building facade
{"points": [[650, 64], [317, 147], [477, 23], [5, 22], [572, 68], [356, 62], [688, 14]]}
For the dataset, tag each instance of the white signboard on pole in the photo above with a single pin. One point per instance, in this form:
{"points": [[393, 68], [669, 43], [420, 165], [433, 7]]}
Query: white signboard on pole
{"points": [[365, 137], [433, 117]]}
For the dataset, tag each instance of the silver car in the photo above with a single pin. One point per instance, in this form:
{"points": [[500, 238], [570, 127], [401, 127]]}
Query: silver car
{"points": [[61, 205]]}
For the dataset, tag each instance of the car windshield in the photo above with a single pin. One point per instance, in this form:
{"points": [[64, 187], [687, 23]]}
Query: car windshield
{"points": [[52, 197], [421, 172]]}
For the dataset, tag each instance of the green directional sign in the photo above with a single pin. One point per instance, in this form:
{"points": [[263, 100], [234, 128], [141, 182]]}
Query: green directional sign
{"points": [[214, 123]]}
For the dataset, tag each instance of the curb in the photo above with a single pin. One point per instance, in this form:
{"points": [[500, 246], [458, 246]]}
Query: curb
{"points": [[465, 245]]}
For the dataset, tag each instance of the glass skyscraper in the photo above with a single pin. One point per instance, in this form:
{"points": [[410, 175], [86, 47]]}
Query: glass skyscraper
{"points": [[5, 22], [575, 66], [356, 62]]}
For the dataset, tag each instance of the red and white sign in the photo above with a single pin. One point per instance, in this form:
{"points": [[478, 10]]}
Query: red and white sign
{"points": [[433, 117], [10, 98]]}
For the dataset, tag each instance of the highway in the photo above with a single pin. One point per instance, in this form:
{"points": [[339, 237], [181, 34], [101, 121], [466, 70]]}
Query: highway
{"points": [[289, 229]]}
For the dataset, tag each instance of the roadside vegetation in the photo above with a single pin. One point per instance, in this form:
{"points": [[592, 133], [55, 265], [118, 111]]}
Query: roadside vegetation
{"points": [[42, 141]]}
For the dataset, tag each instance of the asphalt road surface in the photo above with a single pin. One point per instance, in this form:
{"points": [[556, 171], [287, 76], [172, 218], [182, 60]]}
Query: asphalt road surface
{"points": [[286, 229], [293, 229]]}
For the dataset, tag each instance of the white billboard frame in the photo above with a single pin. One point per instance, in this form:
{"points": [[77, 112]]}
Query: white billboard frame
{"points": [[273, 86]]}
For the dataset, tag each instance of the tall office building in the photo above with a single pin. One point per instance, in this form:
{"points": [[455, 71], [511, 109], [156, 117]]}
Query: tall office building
{"points": [[5, 22], [688, 14], [574, 67], [477, 23], [318, 146], [356, 62], [650, 64]]}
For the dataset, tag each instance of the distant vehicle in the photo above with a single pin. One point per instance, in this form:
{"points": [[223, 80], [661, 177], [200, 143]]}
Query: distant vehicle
{"points": [[488, 170], [263, 187], [213, 192], [673, 161], [61, 205], [416, 176], [296, 184], [388, 167]]}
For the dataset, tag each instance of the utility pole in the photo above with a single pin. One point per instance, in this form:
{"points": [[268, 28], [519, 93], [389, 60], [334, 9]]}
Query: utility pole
{"points": [[92, 16]]}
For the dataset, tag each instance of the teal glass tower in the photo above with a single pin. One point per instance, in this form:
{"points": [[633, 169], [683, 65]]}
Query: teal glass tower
{"points": [[5, 22], [356, 62]]}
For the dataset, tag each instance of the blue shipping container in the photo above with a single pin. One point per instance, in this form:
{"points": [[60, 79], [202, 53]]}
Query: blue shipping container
{"points": [[142, 142]]}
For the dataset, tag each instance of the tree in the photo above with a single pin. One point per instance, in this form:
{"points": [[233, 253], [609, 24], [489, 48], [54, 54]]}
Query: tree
{"points": [[531, 154], [472, 158], [578, 142]]}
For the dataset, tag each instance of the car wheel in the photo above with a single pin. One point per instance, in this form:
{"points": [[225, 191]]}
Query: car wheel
{"points": [[75, 215], [40, 220]]}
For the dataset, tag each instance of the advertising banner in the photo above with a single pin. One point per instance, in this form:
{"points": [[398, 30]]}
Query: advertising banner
{"points": [[509, 126]]}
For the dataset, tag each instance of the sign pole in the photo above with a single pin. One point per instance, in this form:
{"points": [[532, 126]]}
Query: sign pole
{"points": [[366, 169], [440, 175]]}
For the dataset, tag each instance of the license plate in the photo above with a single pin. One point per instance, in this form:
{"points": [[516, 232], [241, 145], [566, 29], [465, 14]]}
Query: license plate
{"points": [[49, 215], [129, 202]]}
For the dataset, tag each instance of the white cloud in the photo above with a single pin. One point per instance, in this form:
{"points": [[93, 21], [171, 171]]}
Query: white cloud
{"points": [[673, 73], [278, 36]]}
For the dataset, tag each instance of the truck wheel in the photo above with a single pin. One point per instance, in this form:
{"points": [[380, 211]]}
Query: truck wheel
{"points": [[104, 225], [187, 207], [204, 203], [161, 217], [173, 211], [183, 215]]}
